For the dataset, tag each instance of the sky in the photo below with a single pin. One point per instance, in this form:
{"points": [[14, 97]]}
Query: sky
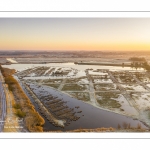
{"points": [[112, 34]]}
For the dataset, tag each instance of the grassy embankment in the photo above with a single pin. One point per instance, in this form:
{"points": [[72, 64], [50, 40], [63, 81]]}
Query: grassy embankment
{"points": [[24, 109]]}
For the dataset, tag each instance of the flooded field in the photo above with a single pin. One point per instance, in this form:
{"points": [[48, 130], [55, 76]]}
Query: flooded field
{"points": [[89, 116], [69, 65], [70, 96]]}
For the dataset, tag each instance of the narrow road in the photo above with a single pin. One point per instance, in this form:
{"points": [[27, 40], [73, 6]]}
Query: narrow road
{"points": [[91, 90], [112, 77], [62, 84], [6, 109], [124, 92], [141, 83], [3, 104]]}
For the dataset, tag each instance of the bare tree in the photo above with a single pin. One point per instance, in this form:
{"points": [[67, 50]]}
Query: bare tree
{"points": [[125, 125], [119, 126], [138, 126]]}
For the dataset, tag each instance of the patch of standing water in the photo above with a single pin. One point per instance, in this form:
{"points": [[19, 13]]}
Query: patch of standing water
{"points": [[125, 105], [20, 67], [93, 117]]}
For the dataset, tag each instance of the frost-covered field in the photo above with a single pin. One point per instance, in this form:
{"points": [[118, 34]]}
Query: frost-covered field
{"points": [[148, 85], [103, 81], [105, 87], [94, 72], [20, 67], [115, 101], [142, 100], [134, 87], [112, 88], [146, 80]]}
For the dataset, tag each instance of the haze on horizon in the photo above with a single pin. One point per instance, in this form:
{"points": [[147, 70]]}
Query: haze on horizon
{"points": [[118, 34]]}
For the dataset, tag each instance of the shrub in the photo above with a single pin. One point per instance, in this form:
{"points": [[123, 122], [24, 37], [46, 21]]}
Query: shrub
{"points": [[17, 106], [138, 126], [20, 113], [137, 59], [119, 126], [32, 120], [125, 125], [129, 126]]}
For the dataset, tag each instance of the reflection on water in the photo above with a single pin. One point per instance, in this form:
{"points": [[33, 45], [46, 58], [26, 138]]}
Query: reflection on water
{"points": [[71, 65], [91, 117]]}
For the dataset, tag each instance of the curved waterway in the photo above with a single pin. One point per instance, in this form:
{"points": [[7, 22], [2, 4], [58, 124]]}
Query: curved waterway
{"points": [[90, 118]]}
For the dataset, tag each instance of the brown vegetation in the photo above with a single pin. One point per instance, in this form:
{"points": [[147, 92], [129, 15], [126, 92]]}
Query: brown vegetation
{"points": [[137, 59], [20, 113], [32, 120], [127, 128], [43, 110], [119, 126], [17, 106], [94, 130]]}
